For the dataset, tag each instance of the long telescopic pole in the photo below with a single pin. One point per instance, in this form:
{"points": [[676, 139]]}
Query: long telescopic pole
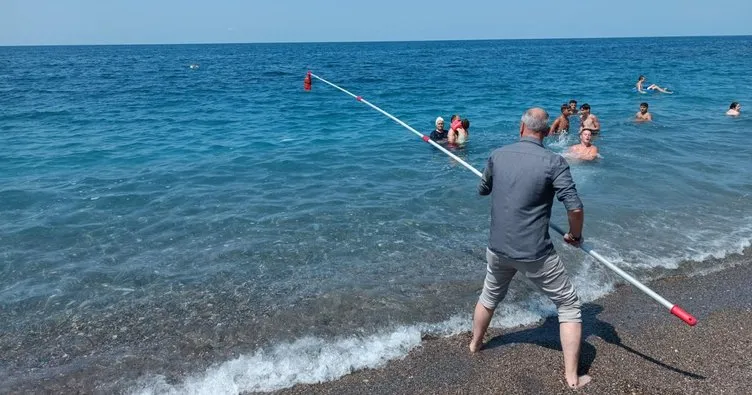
{"points": [[673, 308]]}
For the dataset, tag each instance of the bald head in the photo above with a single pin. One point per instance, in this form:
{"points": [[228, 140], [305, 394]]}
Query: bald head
{"points": [[534, 123]]}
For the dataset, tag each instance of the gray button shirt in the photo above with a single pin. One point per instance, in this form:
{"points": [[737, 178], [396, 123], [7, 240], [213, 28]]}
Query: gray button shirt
{"points": [[522, 179]]}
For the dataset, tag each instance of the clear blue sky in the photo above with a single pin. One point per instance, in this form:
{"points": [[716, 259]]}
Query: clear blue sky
{"points": [[31, 22]]}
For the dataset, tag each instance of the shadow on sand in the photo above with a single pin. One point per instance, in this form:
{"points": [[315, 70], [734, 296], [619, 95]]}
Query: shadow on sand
{"points": [[547, 335]]}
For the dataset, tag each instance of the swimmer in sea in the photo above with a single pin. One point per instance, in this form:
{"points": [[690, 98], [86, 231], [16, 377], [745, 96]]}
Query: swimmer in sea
{"points": [[588, 121], [454, 121], [643, 86], [643, 114], [735, 109], [464, 132], [439, 134], [572, 107], [585, 150], [459, 132], [561, 124]]}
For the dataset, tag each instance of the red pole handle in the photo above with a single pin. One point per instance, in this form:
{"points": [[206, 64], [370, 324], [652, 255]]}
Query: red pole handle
{"points": [[683, 315]]}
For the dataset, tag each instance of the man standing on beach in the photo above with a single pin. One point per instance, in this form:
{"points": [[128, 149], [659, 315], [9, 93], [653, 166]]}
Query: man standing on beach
{"points": [[522, 179]]}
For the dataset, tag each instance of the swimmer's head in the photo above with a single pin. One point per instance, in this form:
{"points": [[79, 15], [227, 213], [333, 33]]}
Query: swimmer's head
{"points": [[454, 118], [439, 123], [565, 109], [573, 106], [643, 107], [585, 107], [586, 136], [735, 106], [641, 78], [466, 124]]}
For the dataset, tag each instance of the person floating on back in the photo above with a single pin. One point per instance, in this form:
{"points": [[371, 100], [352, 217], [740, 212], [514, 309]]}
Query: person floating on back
{"points": [[522, 179], [585, 150], [561, 124], [735, 109], [589, 121], [459, 132], [644, 87], [439, 134], [643, 114]]}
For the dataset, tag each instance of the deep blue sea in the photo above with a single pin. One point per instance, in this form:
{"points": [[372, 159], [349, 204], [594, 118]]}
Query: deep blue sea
{"points": [[173, 230]]}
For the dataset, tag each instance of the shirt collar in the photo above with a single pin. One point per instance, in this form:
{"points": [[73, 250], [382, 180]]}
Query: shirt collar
{"points": [[531, 140]]}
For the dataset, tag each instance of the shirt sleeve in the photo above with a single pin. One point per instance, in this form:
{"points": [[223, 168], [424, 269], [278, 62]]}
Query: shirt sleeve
{"points": [[486, 182], [564, 186]]}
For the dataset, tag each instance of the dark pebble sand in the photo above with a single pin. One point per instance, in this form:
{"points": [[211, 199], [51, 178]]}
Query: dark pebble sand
{"points": [[632, 346]]}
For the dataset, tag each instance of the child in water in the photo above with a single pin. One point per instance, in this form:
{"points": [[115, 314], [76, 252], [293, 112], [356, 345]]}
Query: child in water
{"points": [[735, 109], [588, 121], [643, 114], [458, 133], [561, 124]]}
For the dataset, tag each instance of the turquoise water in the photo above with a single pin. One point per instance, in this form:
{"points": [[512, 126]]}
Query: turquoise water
{"points": [[157, 219]]}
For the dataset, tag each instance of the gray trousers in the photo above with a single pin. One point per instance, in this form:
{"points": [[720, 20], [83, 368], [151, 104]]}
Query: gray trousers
{"points": [[547, 274]]}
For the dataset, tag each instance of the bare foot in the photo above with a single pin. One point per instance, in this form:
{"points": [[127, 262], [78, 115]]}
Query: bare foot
{"points": [[580, 382], [475, 346]]}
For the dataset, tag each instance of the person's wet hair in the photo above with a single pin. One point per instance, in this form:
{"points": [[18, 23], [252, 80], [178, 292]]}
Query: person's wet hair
{"points": [[466, 124], [454, 116], [642, 77], [564, 107], [585, 106], [733, 105], [573, 102], [644, 105]]}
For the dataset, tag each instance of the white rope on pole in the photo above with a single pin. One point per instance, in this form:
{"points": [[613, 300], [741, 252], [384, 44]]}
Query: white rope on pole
{"points": [[673, 308]]}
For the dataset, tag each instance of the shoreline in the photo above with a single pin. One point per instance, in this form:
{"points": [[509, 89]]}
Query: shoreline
{"points": [[623, 330], [632, 345]]}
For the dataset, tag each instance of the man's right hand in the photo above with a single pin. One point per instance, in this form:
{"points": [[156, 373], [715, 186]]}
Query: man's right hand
{"points": [[571, 240]]}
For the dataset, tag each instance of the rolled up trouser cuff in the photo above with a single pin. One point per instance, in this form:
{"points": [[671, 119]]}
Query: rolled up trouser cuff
{"points": [[548, 274], [552, 279], [570, 312]]}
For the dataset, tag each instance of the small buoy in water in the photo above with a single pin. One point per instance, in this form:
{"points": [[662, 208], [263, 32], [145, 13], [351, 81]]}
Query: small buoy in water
{"points": [[307, 82], [193, 66]]}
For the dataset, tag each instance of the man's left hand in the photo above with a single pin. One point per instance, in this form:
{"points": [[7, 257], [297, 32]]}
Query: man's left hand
{"points": [[571, 240]]}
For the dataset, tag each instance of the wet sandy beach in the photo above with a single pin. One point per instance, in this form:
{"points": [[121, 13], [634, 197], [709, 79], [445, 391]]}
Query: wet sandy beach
{"points": [[632, 346]]}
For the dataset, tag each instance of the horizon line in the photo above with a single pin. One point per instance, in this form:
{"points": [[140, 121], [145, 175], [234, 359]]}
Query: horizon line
{"points": [[368, 41]]}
